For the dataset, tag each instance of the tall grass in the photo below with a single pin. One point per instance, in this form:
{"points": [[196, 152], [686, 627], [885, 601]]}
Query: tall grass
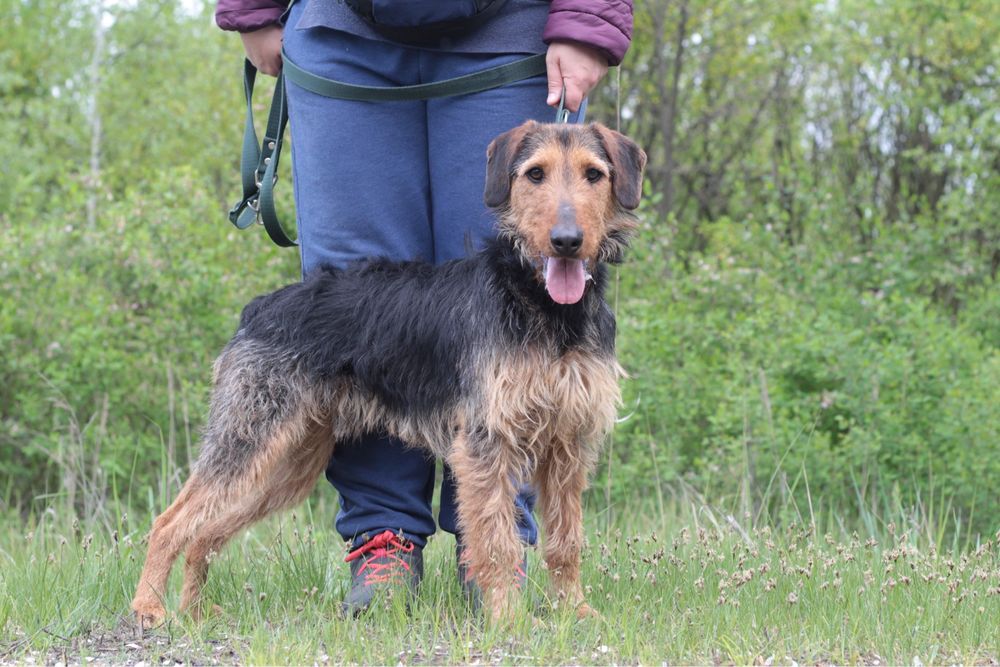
{"points": [[679, 582]]}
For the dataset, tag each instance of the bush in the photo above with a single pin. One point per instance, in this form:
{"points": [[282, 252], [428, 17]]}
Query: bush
{"points": [[110, 336], [767, 368]]}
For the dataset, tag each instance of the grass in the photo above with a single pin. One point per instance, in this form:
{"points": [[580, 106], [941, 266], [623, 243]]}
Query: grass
{"points": [[690, 586]]}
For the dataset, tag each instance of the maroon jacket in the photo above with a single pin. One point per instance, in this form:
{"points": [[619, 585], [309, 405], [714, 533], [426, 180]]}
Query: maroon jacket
{"points": [[605, 25]]}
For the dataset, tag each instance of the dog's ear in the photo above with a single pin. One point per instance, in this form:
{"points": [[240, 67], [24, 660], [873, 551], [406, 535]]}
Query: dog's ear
{"points": [[500, 158], [628, 161]]}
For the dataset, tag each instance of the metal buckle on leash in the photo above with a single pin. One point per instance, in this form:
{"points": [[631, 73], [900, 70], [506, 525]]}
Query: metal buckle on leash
{"points": [[260, 181], [562, 113]]}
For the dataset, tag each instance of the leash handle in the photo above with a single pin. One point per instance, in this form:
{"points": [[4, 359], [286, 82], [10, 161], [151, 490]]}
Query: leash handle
{"points": [[259, 162]]}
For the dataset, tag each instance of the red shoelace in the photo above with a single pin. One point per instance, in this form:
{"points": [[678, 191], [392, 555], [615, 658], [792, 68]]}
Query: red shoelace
{"points": [[382, 560]]}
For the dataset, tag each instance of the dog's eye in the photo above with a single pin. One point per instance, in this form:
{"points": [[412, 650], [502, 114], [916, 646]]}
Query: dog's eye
{"points": [[535, 174], [594, 175]]}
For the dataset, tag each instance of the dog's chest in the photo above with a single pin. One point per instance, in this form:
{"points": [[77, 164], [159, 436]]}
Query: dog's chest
{"points": [[537, 399]]}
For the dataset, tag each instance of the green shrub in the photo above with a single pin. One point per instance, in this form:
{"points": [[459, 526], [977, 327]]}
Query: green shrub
{"points": [[767, 368]]}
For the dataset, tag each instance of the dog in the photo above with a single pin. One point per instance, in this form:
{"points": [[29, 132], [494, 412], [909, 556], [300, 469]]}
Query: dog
{"points": [[503, 364]]}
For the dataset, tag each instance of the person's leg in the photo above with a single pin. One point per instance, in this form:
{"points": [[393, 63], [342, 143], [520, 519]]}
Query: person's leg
{"points": [[361, 191], [360, 168], [458, 131]]}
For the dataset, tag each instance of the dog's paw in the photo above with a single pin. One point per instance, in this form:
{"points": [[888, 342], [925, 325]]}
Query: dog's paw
{"points": [[150, 616], [584, 610]]}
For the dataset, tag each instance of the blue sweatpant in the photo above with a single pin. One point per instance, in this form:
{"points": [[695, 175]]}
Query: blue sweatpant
{"points": [[402, 180]]}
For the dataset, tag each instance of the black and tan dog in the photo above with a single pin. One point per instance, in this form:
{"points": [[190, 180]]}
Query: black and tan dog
{"points": [[503, 364]]}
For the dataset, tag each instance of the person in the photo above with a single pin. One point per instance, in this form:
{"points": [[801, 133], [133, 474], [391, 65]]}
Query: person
{"points": [[404, 180]]}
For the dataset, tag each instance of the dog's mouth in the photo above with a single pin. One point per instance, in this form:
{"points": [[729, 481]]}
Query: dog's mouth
{"points": [[565, 278]]}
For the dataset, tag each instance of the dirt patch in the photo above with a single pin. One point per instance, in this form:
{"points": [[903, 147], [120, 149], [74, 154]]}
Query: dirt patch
{"points": [[122, 645]]}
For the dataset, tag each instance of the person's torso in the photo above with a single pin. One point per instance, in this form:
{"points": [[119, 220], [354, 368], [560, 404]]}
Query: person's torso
{"points": [[516, 27]]}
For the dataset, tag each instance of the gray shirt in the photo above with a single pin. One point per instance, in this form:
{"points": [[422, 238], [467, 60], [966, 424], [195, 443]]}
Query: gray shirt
{"points": [[517, 28]]}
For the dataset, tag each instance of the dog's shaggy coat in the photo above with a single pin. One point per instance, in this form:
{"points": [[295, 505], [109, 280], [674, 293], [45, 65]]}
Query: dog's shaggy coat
{"points": [[503, 364]]}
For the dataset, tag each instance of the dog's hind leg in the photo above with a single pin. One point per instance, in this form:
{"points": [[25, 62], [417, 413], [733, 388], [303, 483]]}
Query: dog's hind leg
{"points": [[298, 453], [260, 424], [171, 531]]}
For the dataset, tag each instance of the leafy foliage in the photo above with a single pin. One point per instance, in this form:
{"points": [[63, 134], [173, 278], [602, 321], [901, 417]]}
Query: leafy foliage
{"points": [[765, 371], [809, 315]]}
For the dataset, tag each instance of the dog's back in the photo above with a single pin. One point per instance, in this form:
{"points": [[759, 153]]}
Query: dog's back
{"points": [[409, 331], [397, 329]]}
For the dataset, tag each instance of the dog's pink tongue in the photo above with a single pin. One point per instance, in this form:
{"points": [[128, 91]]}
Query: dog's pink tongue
{"points": [[565, 280]]}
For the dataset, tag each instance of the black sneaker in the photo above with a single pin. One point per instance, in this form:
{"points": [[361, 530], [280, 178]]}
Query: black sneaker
{"points": [[385, 561], [468, 582]]}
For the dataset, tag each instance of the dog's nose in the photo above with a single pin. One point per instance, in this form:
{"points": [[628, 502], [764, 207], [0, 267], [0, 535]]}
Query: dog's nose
{"points": [[566, 239]]}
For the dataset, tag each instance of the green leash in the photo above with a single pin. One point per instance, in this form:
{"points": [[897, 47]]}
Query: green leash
{"points": [[259, 161]]}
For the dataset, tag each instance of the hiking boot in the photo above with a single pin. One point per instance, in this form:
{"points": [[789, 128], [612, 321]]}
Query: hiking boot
{"points": [[469, 587], [386, 561]]}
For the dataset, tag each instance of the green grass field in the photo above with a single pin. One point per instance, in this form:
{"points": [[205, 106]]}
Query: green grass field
{"points": [[807, 462], [690, 586]]}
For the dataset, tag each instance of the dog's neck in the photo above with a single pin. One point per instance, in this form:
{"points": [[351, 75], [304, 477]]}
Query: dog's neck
{"points": [[532, 314]]}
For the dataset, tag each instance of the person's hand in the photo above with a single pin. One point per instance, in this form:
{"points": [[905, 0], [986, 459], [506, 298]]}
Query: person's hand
{"points": [[263, 48], [576, 66]]}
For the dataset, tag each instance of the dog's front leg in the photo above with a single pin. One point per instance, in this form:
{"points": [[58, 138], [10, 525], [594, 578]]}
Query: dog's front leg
{"points": [[561, 481], [485, 472]]}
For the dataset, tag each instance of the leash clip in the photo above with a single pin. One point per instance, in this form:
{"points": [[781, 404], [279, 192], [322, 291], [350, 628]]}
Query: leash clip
{"points": [[562, 113]]}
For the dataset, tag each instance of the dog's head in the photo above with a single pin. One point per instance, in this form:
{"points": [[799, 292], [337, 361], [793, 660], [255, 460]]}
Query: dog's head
{"points": [[563, 194]]}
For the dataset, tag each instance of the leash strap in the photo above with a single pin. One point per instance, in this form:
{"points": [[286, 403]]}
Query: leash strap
{"points": [[494, 77], [259, 161]]}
